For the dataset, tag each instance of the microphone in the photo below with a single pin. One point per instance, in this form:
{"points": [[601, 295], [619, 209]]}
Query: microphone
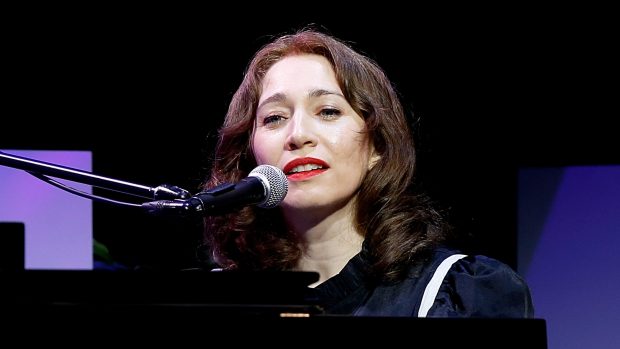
{"points": [[265, 186]]}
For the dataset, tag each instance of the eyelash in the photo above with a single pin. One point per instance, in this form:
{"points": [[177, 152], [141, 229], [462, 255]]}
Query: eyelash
{"points": [[325, 113], [333, 113], [271, 119]]}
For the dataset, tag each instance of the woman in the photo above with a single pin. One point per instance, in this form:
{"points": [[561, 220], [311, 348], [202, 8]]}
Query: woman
{"points": [[330, 119]]}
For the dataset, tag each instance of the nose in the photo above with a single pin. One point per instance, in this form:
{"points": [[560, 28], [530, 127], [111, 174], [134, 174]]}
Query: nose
{"points": [[301, 132]]}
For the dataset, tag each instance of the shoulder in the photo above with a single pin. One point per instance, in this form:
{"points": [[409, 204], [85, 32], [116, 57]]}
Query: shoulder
{"points": [[480, 286]]}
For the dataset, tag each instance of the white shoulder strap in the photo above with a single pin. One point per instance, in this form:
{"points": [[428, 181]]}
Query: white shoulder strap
{"points": [[430, 293]]}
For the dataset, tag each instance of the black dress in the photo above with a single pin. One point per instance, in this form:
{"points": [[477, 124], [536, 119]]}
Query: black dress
{"points": [[474, 286]]}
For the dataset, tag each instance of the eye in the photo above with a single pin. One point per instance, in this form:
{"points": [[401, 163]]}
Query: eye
{"points": [[330, 113], [273, 120]]}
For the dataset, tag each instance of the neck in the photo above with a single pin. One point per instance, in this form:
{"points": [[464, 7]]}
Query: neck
{"points": [[329, 241]]}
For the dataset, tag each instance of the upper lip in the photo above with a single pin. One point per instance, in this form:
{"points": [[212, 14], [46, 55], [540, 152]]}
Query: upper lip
{"points": [[303, 161]]}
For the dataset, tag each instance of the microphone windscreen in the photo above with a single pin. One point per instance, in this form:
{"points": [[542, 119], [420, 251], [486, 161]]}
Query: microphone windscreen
{"points": [[275, 183]]}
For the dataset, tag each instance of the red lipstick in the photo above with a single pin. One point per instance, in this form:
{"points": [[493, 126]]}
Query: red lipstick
{"points": [[298, 176]]}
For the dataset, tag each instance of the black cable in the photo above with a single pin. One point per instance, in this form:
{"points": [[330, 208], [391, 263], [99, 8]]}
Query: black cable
{"points": [[79, 192]]}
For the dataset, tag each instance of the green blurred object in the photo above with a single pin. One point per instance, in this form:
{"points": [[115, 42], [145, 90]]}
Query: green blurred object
{"points": [[101, 252], [102, 260]]}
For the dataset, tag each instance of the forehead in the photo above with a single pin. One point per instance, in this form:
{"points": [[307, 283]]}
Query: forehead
{"points": [[300, 71]]}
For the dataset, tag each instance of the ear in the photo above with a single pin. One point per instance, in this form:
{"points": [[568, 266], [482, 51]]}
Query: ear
{"points": [[374, 158]]}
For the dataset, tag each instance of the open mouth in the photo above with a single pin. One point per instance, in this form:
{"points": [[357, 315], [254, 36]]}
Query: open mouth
{"points": [[305, 167]]}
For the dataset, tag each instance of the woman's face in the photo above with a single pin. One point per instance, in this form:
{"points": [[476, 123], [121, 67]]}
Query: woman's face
{"points": [[306, 127]]}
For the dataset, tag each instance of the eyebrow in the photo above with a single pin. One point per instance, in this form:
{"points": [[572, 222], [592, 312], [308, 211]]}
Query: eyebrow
{"points": [[281, 97], [321, 92], [275, 98]]}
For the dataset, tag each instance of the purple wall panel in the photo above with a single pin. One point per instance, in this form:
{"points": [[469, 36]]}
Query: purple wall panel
{"points": [[58, 224], [569, 252]]}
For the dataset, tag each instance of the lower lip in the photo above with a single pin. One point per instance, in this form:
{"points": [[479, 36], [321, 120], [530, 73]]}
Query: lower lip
{"points": [[300, 176]]}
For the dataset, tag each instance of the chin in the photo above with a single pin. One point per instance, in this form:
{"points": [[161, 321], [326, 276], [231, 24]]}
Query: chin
{"points": [[312, 205], [297, 205]]}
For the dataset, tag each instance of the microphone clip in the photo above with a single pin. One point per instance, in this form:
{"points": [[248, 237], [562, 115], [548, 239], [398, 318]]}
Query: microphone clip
{"points": [[170, 192]]}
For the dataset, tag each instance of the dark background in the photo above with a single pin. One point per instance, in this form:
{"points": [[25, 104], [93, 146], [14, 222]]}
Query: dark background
{"points": [[490, 90]]}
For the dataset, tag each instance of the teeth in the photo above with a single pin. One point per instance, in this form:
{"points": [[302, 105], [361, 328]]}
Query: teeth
{"points": [[306, 167]]}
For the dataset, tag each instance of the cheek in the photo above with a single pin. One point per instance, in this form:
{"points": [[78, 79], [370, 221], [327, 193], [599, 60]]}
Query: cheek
{"points": [[263, 149], [353, 151]]}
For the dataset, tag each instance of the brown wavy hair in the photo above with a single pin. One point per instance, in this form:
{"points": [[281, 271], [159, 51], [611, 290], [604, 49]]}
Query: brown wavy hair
{"points": [[399, 227]]}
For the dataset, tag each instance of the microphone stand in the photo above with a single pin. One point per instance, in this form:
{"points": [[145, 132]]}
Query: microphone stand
{"points": [[45, 168]]}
